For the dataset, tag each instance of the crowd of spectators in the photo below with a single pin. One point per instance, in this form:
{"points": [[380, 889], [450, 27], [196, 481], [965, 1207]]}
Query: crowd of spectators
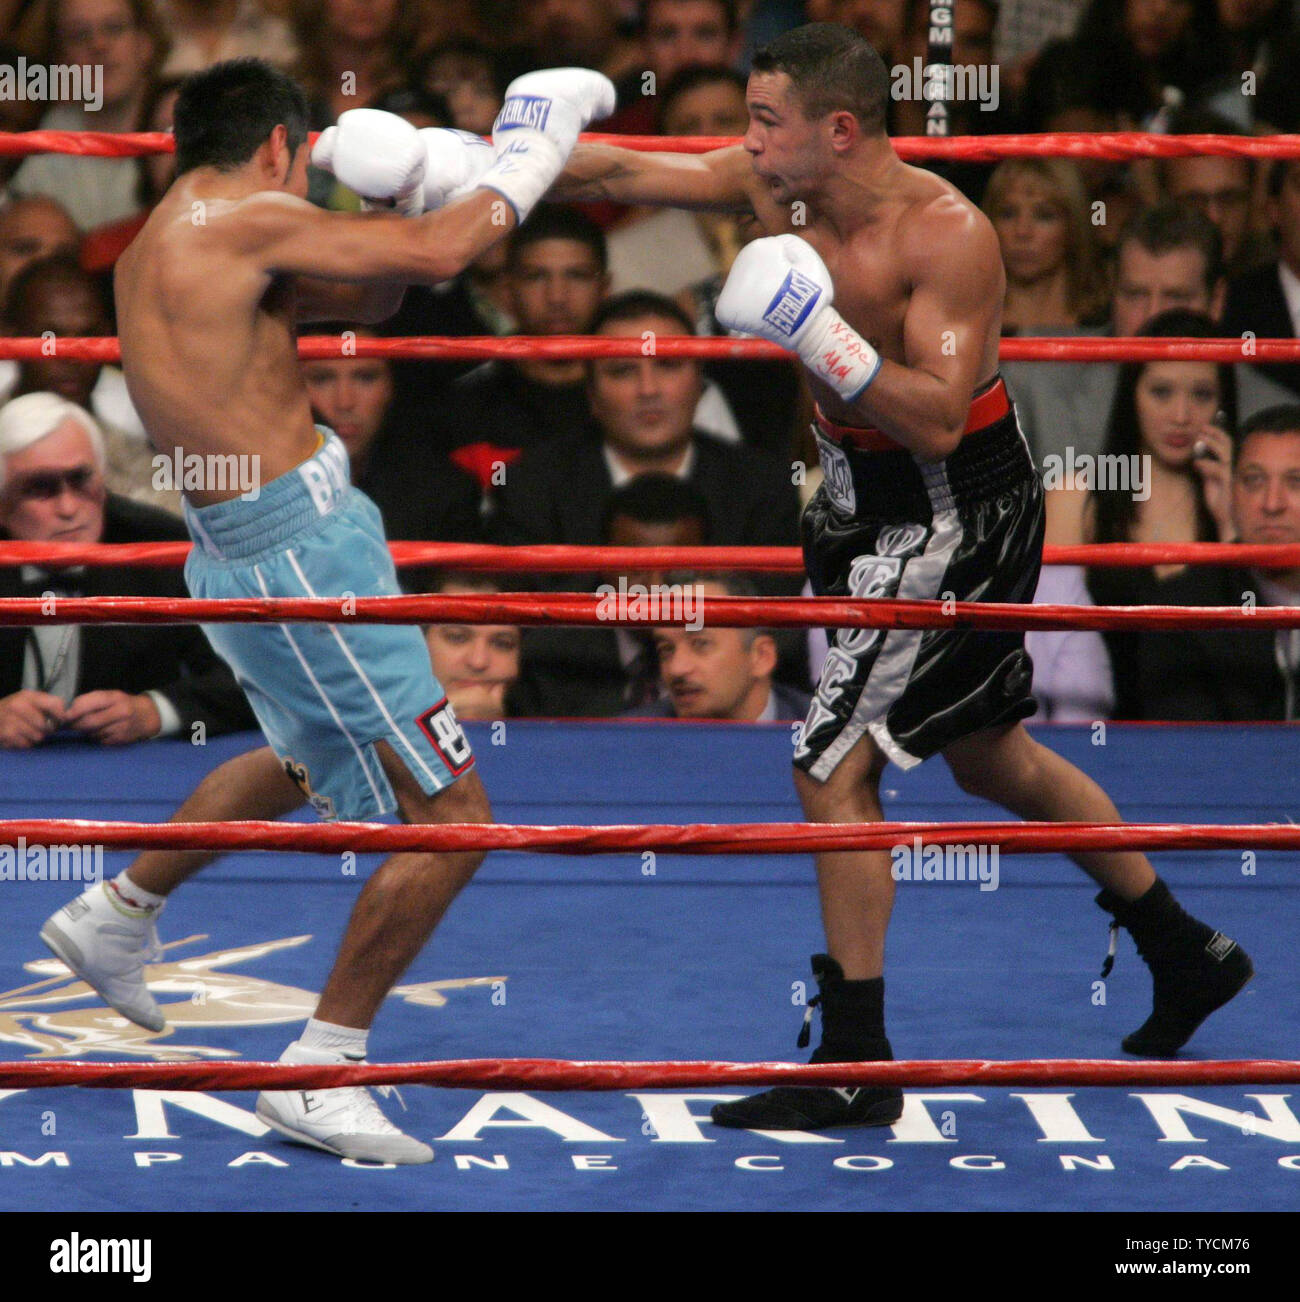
{"points": [[661, 450]]}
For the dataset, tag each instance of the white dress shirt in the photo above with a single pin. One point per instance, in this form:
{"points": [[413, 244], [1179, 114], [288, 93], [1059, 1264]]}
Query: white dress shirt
{"points": [[1072, 677]]}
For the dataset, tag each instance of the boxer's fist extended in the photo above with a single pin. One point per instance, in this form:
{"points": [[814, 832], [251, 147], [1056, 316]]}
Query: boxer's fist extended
{"points": [[454, 163], [377, 154], [555, 102], [538, 127], [779, 289]]}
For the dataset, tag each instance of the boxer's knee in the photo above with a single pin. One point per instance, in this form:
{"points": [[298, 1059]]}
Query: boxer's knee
{"points": [[995, 763], [850, 793], [464, 801]]}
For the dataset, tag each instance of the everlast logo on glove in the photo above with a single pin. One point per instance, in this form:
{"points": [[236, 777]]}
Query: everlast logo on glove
{"points": [[797, 297], [530, 111]]}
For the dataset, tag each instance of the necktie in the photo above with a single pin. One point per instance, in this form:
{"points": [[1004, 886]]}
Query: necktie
{"points": [[54, 650]]}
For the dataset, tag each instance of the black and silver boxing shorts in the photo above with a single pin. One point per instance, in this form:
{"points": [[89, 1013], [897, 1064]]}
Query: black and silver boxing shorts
{"points": [[883, 524]]}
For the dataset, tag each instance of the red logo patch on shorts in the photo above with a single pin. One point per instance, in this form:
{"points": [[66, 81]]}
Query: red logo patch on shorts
{"points": [[440, 725]]}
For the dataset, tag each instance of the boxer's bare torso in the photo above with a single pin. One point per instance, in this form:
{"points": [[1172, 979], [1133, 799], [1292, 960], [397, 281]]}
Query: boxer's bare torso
{"points": [[208, 339], [916, 266], [875, 267], [210, 292]]}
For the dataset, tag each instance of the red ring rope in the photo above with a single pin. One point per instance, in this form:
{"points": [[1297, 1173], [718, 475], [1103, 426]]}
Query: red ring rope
{"points": [[1116, 146], [582, 609], [1113, 145], [566, 559], [557, 1074], [581, 347], [669, 838], [541, 1074]]}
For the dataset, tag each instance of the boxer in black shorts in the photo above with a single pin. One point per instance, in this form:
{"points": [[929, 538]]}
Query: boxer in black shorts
{"points": [[888, 285], [966, 529]]}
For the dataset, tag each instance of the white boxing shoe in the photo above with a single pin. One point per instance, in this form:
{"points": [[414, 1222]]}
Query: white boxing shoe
{"points": [[108, 949], [346, 1121]]}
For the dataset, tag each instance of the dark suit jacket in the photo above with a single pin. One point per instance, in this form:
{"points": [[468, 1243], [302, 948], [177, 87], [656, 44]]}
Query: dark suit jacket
{"points": [[175, 660], [571, 673], [1213, 674], [497, 404], [420, 494], [1256, 302], [449, 309], [790, 704], [557, 494]]}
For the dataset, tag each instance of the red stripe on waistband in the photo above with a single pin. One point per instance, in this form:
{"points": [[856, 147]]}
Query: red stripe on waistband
{"points": [[986, 408]]}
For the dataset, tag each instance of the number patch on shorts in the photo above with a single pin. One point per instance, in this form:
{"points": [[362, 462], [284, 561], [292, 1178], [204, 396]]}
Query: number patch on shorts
{"points": [[443, 729]]}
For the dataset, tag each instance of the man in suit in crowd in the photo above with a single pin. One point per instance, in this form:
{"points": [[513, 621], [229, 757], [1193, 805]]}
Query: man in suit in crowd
{"points": [[55, 297], [603, 671], [112, 684], [477, 664], [1266, 300], [721, 673], [1237, 673], [31, 230], [556, 278], [392, 452], [643, 408], [1168, 256]]}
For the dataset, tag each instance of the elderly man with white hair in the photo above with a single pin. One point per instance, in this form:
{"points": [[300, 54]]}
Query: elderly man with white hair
{"points": [[110, 684]]}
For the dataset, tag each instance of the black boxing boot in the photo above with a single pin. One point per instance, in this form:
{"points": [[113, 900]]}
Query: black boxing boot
{"points": [[853, 1030], [1194, 969]]}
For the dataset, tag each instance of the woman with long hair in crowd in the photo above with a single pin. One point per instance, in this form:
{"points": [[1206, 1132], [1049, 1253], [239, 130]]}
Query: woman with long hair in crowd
{"points": [[1055, 276], [1166, 464], [1165, 49]]}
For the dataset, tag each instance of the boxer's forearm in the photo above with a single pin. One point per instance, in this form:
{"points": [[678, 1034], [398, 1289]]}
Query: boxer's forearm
{"points": [[925, 414], [596, 172], [457, 235], [632, 176], [292, 238]]}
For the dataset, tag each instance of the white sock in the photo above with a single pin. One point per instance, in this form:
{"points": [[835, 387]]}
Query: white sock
{"points": [[346, 1040], [132, 899]]}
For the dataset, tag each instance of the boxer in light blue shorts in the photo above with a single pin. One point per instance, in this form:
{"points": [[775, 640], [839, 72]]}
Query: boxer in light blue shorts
{"points": [[210, 296], [325, 693]]}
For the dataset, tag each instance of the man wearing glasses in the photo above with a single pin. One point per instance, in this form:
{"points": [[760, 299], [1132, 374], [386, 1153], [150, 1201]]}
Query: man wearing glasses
{"points": [[112, 685], [117, 45]]}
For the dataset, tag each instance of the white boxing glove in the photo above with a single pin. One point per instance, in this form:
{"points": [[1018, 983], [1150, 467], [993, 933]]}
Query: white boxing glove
{"points": [[454, 163], [779, 289], [377, 154], [537, 128]]}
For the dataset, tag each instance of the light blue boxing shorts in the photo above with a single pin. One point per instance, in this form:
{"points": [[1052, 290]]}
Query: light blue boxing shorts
{"points": [[325, 693]]}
